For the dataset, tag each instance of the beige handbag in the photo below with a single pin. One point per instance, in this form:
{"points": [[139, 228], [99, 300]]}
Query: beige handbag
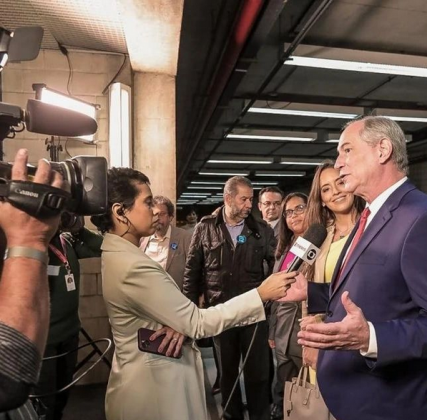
{"points": [[303, 400]]}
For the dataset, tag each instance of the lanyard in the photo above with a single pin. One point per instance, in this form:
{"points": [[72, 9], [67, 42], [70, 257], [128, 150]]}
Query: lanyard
{"points": [[62, 256]]}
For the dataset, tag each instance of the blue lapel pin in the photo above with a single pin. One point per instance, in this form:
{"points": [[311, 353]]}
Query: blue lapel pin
{"points": [[174, 246], [241, 239]]}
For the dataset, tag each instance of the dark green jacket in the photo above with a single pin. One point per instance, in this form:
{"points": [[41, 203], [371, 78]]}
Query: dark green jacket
{"points": [[64, 305]]}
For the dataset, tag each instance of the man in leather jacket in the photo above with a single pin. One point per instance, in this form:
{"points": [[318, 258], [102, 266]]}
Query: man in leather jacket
{"points": [[226, 258]]}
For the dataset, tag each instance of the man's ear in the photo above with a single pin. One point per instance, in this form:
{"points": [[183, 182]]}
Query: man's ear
{"points": [[385, 150]]}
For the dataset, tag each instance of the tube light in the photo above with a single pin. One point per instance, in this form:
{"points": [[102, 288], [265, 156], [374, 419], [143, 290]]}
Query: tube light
{"points": [[249, 161], [241, 173], [359, 66], [297, 161], [322, 114], [319, 114], [280, 174], [120, 125], [273, 138], [195, 187], [206, 183]]}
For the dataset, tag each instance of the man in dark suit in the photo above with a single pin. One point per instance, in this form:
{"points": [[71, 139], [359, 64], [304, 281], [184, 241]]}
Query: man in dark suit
{"points": [[169, 244], [269, 202], [373, 359]]}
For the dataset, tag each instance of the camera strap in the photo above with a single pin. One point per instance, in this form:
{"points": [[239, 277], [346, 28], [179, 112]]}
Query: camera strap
{"points": [[38, 200]]}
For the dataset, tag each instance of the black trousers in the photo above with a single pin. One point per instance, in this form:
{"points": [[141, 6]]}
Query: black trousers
{"points": [[232, 346], [55, 374]]}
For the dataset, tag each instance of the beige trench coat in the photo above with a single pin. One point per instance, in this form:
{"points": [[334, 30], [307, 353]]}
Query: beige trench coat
{"points": [[139, 293]]}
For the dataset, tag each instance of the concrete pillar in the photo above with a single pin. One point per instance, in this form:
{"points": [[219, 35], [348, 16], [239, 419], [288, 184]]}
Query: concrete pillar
{"points": [[154, 131], [152, 29]]}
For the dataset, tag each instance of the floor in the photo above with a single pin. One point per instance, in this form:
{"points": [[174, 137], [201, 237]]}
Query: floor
{"points": [[87, 402]]}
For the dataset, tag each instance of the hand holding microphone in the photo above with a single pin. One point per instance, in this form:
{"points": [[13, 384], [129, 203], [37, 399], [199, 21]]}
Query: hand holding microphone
{"points": [[276, 286]]}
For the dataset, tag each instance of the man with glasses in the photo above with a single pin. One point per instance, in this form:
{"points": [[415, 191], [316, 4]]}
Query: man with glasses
{"points": [[270, 199], [169, 244]]}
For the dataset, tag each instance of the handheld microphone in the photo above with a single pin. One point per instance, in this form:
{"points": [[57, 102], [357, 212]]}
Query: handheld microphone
{"points": [[306, 248]]}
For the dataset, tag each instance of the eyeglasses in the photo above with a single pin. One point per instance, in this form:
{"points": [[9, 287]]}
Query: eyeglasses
{"points": [[297, 210], [271, 203]]}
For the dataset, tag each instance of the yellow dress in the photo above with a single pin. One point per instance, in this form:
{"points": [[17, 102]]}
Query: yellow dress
{"points": [[330, 263]]}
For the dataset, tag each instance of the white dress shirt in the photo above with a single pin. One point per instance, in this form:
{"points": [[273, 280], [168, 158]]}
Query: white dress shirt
{"points": [[158, 248]]}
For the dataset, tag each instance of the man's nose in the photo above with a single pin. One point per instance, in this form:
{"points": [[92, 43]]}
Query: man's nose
{"points": [[339, 162]]}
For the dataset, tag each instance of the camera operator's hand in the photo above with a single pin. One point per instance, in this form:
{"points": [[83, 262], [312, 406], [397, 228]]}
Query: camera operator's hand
{"points": [[20, 228]]}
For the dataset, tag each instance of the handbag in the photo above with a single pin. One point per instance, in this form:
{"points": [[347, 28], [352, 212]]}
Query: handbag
{"points": [[303, 400]]}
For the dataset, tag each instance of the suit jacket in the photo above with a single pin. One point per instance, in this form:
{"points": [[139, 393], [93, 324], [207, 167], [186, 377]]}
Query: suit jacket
{"points": [[283, 322], [386, 277], [177, 254], [139, 293]]}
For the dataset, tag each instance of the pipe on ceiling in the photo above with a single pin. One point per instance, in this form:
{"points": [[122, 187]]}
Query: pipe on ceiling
{"points": [[240, 33]]}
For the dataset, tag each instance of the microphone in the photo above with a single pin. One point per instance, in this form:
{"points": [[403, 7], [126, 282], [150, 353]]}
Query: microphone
{"points": [[306, 248]]}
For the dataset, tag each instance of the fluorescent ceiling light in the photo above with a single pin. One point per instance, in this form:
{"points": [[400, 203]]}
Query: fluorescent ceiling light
{"points": [[409, 119], [273, 138], [280, 174], [184, 197], [243, 160], [298, 161], [194, 194], [207, 183], [240, 173], [408, 138], [204, 188], [359, 66], [265, 183], [322, 114], [319, 114]]}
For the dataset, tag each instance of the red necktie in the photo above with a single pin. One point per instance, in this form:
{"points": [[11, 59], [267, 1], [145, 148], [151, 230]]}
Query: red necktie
{"points": [[362, 224]]}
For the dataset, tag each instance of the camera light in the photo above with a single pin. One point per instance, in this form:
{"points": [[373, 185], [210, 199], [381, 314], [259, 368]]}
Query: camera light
{"points": [[52, 97]]}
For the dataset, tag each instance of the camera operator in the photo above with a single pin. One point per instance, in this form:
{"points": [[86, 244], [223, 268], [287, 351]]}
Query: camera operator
{"points": [[71, 243], [24, 292]]}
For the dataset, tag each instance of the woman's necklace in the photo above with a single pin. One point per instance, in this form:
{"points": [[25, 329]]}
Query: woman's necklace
{"points": [[345, 232]]}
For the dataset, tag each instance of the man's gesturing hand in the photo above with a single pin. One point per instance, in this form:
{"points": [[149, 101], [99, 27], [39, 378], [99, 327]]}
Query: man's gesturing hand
{"points": [[352, 333]]}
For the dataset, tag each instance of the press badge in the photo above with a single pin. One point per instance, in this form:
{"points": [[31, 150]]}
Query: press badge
{"points": [[53, 270], [69, 282]]}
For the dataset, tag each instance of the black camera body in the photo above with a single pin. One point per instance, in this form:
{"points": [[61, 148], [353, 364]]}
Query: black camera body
{"points": [[86, 176]]}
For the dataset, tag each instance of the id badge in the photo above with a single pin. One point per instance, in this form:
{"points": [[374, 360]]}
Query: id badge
{"points": [[69, 282]]}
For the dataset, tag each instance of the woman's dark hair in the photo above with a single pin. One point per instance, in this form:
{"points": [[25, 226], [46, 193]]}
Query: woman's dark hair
{"points": [[286, 236], [122, 188]]}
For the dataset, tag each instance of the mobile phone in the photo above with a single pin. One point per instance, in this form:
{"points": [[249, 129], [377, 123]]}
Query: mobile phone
{"points": [[146, 345]]}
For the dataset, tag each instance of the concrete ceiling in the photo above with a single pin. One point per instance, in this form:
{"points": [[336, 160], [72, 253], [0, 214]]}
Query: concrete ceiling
{"points": [[231, 58]]}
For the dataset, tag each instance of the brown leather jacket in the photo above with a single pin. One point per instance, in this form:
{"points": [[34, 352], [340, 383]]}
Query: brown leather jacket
{"points": [[219, 270]]}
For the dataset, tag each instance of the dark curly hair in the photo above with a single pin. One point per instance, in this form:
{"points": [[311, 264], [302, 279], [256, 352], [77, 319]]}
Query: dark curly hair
{"points": [[122, 189]]}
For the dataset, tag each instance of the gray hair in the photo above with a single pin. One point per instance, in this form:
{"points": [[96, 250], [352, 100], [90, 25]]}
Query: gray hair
{"points": [[376, 128], [160, 199], [231, 185]]}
